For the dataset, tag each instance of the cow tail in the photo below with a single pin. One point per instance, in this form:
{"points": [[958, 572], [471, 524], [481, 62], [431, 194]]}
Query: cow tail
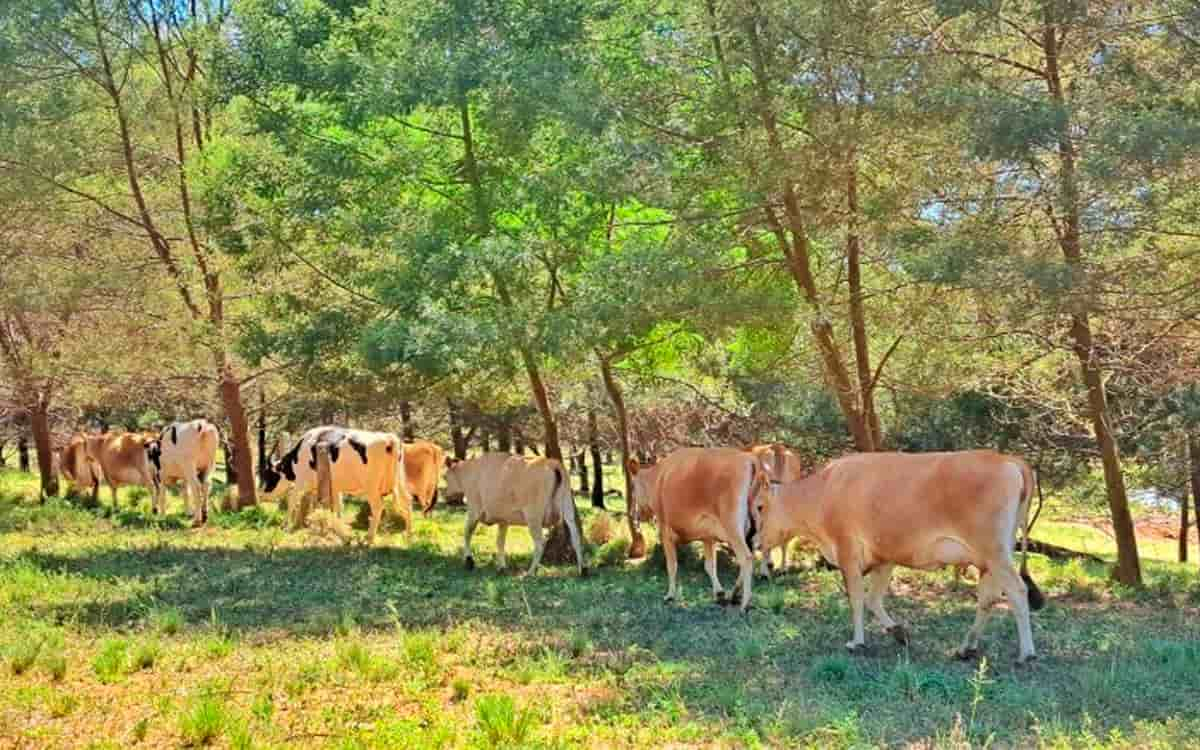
{"points": [[398, 483], [748, 526], [1029, 481]]}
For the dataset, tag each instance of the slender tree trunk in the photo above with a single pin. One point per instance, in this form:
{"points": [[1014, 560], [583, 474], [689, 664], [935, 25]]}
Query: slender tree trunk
{"points": [[485, 441], [3, 458], [406, 423], [1129, 570], [457, 437], [40, 425], [580, 461], [542, 400], [262, 431], [1184, 523], [793, 241], [23, 452], [858, 324], [519, 444], [594, 449], [241, 464], [504, 439], [637, 546], [1194, 464]]}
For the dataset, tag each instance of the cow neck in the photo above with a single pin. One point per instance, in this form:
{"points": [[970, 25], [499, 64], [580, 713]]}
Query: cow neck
{"points": [[801, 503]]}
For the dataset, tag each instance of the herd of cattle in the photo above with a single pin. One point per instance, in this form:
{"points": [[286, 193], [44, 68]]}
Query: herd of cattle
{"points": [[867, 513]]}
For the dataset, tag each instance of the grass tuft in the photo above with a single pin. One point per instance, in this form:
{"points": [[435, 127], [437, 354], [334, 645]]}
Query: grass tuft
{"points": [[501, 723], [204, 721], [109, 664]]}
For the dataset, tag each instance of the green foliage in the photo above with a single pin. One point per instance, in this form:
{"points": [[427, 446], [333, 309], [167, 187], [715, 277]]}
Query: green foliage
{"points": [[109, 664], [204, 720]]}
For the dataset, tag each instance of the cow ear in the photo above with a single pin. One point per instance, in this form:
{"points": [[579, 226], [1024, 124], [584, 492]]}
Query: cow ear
{"points": [[633, 466]]}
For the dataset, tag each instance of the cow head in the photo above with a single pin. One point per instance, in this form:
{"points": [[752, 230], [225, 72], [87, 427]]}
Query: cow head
{"points": [[154, 454], [455, 489], [644, 478], [277, 475], [765, 505]]}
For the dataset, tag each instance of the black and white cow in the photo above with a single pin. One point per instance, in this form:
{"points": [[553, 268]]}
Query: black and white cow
{"points": [[369, 464]]}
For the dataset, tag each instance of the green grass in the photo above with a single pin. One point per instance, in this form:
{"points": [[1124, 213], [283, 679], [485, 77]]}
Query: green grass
{"points": [[129, 632]]}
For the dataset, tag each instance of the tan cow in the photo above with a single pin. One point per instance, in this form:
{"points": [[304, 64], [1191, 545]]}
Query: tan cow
{"points": [[793, 470], [423, 463], [123, 458], [503, 490], [75, 465], [364, 463], [702, 494], [186, 452], [873, 511]]}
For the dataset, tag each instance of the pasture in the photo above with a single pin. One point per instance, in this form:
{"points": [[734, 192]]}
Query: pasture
{"points": [[118, 630]]}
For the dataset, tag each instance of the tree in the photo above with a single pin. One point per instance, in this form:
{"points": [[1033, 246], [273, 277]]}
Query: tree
{"points": [[137, 66]]}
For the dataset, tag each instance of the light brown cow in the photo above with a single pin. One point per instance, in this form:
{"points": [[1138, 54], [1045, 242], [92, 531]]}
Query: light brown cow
{"points": [[123, 458], [75, 465], [503, 490], [423, 463], [873, 511], [702, 494], [793, 470]]}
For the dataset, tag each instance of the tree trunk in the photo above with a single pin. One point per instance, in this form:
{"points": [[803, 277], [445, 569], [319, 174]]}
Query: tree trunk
{"points": [[542, 400], [637, 545], [457, 437], [3, 458], [796, 251], [504, 437], [594, 449], [1194, 464], [262, 431], [406, 423], [40, 425], [240, 469], [1129, 570], [858, 324], [23, 452], [485, 441], [1184, 523], [580, 461], [519, 444]]}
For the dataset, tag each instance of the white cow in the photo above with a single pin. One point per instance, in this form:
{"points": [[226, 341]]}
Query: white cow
{"points": [[370, 464], [507, 490], [185, 452]]}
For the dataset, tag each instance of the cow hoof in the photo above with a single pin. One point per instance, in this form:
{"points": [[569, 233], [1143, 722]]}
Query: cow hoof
{"points": [[1026, 661], [967, 654], [669, 599], [720, 598], [469, 563], [585, 572], [856, 648], [899, 633]]}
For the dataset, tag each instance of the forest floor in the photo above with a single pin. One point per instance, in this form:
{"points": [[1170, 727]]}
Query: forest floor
{"points": [[117, 630]]}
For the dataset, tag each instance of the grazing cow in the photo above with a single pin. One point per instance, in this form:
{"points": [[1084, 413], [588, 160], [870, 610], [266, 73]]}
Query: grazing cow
{"points": [[123, 459], [186, 452], [793, 470], [873, 511], [702, 494], [75, 464], [370, 464], [502, 489], [423, 463]]}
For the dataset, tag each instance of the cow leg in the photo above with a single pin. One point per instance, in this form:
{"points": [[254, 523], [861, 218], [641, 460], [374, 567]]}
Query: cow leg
{"points": [[113, 487], [745, 560], [783, 556], [576, 541], [852, 575], [670, 554], [539, 544], [468, 530], [765, 567], [988, 592], [710, 566], [877, 587], [376, 514], [1018, 601], [501, 534]]}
